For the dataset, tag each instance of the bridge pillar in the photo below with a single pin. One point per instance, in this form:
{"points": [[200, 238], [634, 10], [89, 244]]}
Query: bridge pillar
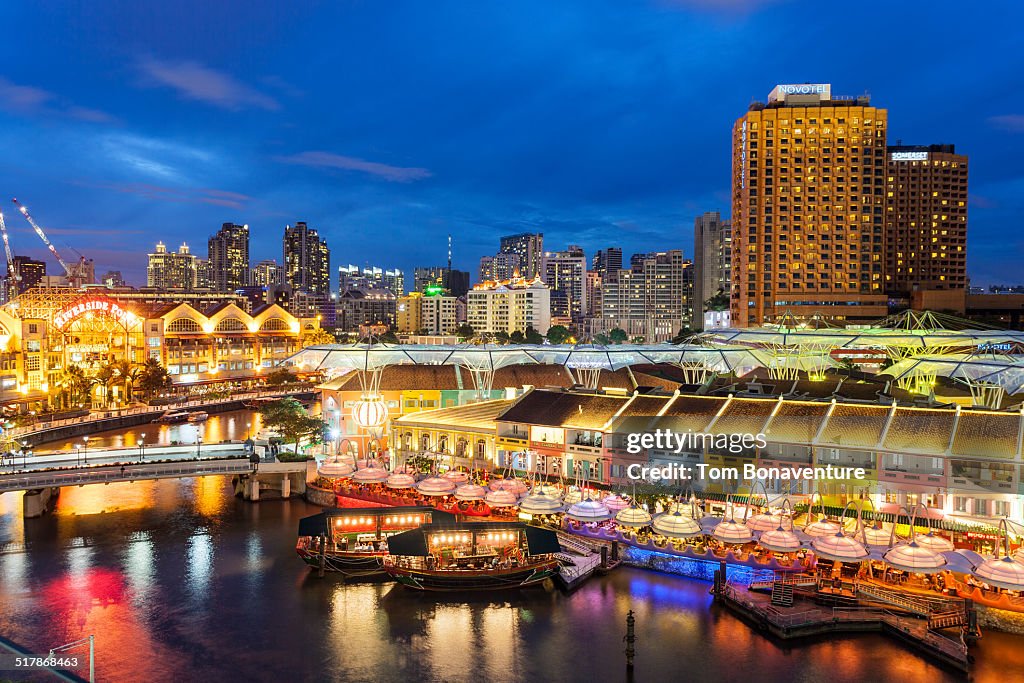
{"points": [[254, 488], [39, 502], [286, 486]]}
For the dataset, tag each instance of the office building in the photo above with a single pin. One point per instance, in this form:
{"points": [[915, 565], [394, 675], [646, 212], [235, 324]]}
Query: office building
{"points": [[529, 247], [808, 202], [266, 274], [112, 278], [307, 261], [420, 313], [365, 308], [565, 274], [607, 261], [229, 257], [926, 222], [498, 267], [712, 257], [28, 273], [652, 300], [455, 282], [509, 306], [370, 277], [172, 270]]}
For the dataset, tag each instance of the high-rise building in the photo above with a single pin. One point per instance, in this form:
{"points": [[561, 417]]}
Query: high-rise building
{"points": [[172, 270], [509, 306], [371, 277], [925, 219], [712, 259], [456, 282], [365, 308], [266, 274], [607, 261], [427, 314], [808, 203], [652, 300], [529, 247], [229, 257], [113, 278], [498, 267], [565, 274], [28, 273], [307, 261]]}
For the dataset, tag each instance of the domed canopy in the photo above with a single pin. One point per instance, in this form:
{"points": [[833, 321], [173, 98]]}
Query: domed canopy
{"points": [[547, 490], [400, 481], [588, 511], [822, 527], [633, 516], [910, 557], [573, 495], [457, 476], [470, 492], [615, 502], [762, 522], [839, 548], [334, 468], [685, 508], [731, 531], [676, 525], [435, 486], [876, 535], [933, 541], [501, 499], [366, 462], [514, 486], [779, 540], [539, 504], [1003, 572], [370, 475], [1019, 555]]}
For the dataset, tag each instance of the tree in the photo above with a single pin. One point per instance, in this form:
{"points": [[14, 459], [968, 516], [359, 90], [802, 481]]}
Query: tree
{"points": [[533, 336], [318, 336], [465, 331], [602, 339], [517, 337], [127, 374], [682, 335], [73, 386], [558, 334], [501, 337], [280, 376], [152, 377], [106, 377], [290, 419], [617, 336], [719, 302], [389, 337]]}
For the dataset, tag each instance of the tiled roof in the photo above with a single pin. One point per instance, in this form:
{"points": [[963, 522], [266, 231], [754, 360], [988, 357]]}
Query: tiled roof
{"points": [[691, 412], [986, 434], [473, 416], [796, 422], [582, 410], [921, 430], [744, 416], [855, 426]]}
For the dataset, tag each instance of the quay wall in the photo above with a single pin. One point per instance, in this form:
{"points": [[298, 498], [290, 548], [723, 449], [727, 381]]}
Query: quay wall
{"points": [[318, 496], [1000, 619], [702, 570]]}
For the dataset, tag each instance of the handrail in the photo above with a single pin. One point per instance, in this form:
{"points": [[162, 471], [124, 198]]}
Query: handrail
{"points": [[135, 472]]}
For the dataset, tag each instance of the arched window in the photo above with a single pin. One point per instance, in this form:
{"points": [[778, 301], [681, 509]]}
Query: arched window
{"points": [[425, 442], [275, 325], [407, 441], [442, 444], [461, 446], [481, 449], [186, 325], [230, 325]]}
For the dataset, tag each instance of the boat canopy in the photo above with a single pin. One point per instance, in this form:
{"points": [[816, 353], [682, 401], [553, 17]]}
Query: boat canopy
{"points": [[317, 525], [413, 543]]}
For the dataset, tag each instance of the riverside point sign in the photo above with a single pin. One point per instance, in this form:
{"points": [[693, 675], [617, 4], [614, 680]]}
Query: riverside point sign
{"points": [[105, 307]]}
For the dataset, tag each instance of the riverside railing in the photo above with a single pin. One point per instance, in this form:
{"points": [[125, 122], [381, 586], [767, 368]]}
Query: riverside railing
{"points": [[100, 475]]}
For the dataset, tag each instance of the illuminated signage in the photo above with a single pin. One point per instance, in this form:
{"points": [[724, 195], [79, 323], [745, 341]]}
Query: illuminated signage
{"points": [[909, 156], [824, 90], [103, 306], [743, 155]]}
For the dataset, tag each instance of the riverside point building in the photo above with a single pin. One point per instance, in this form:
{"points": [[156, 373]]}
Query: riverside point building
{"points": [[46, 331], [808, 202], [509, 306], [965, 464]]}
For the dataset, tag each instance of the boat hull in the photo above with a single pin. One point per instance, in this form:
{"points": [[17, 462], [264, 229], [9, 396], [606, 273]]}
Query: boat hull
{"points": [[347, 564], [447, 580]]}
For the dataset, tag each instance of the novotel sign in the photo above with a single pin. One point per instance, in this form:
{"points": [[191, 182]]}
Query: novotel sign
{"points": [[103, 306], [823, 90]]}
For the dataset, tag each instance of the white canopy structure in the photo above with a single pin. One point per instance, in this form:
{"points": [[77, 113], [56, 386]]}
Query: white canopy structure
{"points": [[334, 468], [540, 504], [436, 486], [633, 516], [470, 492], [733, 532], [400, 480], [840, 548], [676, 525], [588, 511], [501, 498], [1004, 572], [457, 476], [988, 376], [371, 475], [513, 486], [780, 540], [822, 527], [910, 557]]}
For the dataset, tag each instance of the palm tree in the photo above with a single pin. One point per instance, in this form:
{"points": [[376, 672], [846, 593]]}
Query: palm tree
{"points": [[107, 377], [128, 373], [152, 376], [73, 384]]}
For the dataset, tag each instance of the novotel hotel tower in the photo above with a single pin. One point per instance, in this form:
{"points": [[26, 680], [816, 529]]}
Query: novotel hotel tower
{"points": [[808, 200]]}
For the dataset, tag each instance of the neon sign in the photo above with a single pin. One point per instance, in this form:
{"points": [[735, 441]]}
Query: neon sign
{"points": [[103, 306], [908, 156]]}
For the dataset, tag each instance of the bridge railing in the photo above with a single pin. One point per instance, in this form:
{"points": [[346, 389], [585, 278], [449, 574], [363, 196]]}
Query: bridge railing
{"points": [[99, 475]]}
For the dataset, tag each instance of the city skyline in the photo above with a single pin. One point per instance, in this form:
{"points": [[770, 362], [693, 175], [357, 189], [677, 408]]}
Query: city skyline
{"points": [[591, 141]]}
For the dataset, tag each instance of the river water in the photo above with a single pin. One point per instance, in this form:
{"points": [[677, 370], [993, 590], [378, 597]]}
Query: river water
{"points": [[180, 580]]}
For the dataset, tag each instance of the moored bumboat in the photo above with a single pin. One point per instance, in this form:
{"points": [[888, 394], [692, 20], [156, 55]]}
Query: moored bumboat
{"points": [[472, 556]]}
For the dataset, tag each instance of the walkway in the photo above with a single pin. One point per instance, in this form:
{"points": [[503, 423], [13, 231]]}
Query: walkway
{"points": [[94, 474]]}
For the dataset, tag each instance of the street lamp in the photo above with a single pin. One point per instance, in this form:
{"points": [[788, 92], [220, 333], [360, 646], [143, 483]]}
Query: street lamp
{"points": [[199, 446], [335, 433], [248, 428], [142, 446], [86, 454], [78, 454]]}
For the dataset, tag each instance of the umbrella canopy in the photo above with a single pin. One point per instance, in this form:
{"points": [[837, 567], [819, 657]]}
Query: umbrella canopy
{"points": [[685, 508], [676, 525], [547, 490], [910, 557], [1003, 572], [762, 522], [731, 531], [539, 504], [779, 540], [876, 535], [501, 499], [1019, 555], [514, 486], [573, 495], [822, 527], [839, 548], [366, 462], [435, 486], [457, 476], [334, 469], [470, 492], [370, 475], [588, 511], [615, 502], [633, 516], [400, 481], [933, 541]]}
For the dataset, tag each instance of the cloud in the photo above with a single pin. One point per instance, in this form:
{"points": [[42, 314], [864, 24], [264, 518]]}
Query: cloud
{"points": [[318, 159], [194, 81], [1010, 122], [29, 100], [233, 200], [164, 159]]}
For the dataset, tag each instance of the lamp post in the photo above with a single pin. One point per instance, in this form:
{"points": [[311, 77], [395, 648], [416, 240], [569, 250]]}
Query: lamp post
{"points": [[142, 446], [199, 446], [78, 454], [335, 435], [86, 451], [248, 429]]}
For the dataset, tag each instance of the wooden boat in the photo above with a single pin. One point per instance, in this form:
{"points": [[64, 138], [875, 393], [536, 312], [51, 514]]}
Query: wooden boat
{"points": [[173, 417], [473, 556], [352, 541], [198, 416]]}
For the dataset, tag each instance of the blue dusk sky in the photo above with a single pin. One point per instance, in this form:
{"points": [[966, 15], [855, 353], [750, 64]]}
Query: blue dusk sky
{"points": [[387, 125]]}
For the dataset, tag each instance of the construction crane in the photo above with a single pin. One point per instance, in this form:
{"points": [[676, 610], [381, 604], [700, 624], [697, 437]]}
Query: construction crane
{"points": [[7, 248], [46, 240]]}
